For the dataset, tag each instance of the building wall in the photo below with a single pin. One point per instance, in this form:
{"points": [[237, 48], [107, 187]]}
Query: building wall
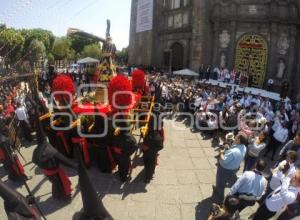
{"points": [[140, 44], [211, 23]]}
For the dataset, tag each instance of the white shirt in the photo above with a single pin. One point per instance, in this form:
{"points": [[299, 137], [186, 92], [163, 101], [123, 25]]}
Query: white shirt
{"points": [[281, 134], [278, 176], [282, 196], [250, 183], [269, 115], [254, 149], [197, 102], [276, 124], [270, 81], [21, 113]]}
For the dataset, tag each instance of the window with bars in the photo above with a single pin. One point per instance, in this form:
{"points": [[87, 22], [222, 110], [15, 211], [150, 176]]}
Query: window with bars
{"points": [[178, 20], [178, 3]]}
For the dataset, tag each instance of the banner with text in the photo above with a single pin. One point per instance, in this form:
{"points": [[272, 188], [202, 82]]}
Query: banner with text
{"points": [[144, 19]]}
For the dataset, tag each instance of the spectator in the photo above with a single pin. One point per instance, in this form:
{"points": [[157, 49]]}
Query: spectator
{"points": [[229, 163], [277, 200], [256, 145], [250, 186]]}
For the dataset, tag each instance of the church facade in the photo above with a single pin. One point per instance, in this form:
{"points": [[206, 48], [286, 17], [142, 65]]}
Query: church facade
{"points": [[261, 37]]}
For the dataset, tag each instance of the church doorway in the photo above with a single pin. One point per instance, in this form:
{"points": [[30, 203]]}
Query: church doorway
{"points": [[251, 57], [177, 51]]}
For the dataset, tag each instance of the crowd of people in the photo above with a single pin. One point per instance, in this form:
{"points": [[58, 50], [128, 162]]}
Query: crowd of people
{"points": [[249, 128]]}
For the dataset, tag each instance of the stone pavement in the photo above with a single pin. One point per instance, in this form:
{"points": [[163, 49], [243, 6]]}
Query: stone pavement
{"points": [[181, 188]]}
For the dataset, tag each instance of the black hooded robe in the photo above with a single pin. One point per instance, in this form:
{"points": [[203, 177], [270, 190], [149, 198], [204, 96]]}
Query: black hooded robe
{"points": [[123, 146], [16, 206], [153, 143]]}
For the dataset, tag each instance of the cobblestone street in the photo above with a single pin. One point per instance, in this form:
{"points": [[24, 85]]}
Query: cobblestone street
{"points": [[181, 188]]}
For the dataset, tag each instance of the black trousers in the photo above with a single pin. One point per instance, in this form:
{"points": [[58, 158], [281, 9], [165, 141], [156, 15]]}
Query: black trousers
{"points": [[263, 213], [244, 204], [273, 146], [292, 211], [103, 159], [26, 130], [149, 158], [123, 161]]}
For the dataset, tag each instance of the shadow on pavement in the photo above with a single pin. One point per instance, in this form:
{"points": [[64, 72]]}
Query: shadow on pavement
{"points": [[51, 205], [203, 208]]}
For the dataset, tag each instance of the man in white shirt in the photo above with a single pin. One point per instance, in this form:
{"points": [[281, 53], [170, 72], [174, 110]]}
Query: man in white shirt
{"points": [[279, 137], [280, 198], [22, 116], [285, 168]]}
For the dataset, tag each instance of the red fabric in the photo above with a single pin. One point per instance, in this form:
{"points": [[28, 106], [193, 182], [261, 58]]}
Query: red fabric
{"points": [[63, 83], [65, 143], [90, 108], [10, 110], [138, 79], [63, 178], [2, 156], [138, 97], [146, 90], [35, 214], [120, 84], [111, 159], [145, 147], [84, 148], [18, 167], [95, 77], [117, 150]]}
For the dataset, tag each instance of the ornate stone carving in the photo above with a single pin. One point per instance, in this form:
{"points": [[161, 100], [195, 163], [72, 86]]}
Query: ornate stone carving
{"points": [[224, 39], [283, 44], [223, 60], [280, 69], [252, 9]]}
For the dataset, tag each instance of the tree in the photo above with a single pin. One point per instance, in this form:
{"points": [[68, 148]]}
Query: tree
{"points": [[11, 44], [2, 26], [61, 48], [44, 36], [50, 58], [37, 51], [79, 42], [92, 50]]}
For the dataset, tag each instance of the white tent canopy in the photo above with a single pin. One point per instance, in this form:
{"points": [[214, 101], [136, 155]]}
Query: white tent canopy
{"points": [[87, 60], [185, 72]]}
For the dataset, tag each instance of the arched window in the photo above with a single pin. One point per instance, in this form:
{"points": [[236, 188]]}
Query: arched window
{"points": [[177, 56]]}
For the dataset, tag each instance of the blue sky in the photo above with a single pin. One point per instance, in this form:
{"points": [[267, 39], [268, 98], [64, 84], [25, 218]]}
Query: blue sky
{"points": [[58, 15]]}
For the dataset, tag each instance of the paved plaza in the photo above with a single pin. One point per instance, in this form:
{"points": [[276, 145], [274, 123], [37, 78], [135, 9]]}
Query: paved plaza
{"points": [[181, 188]]}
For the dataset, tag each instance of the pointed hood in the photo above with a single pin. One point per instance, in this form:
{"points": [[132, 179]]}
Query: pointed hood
{"points": [[40, 134], [93, 207], [44, 151], [14, 201]]}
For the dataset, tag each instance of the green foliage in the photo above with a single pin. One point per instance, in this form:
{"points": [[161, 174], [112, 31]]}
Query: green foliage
{"points": [[32, 44], [50, 58], [11, 44], [92, 50], [37, 51], [79, 42], [2, 27], [45, 36], [62, 48]]}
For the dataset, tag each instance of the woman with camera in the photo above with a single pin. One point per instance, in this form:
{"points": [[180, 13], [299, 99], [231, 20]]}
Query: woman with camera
{"points": [[255, 146]]}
